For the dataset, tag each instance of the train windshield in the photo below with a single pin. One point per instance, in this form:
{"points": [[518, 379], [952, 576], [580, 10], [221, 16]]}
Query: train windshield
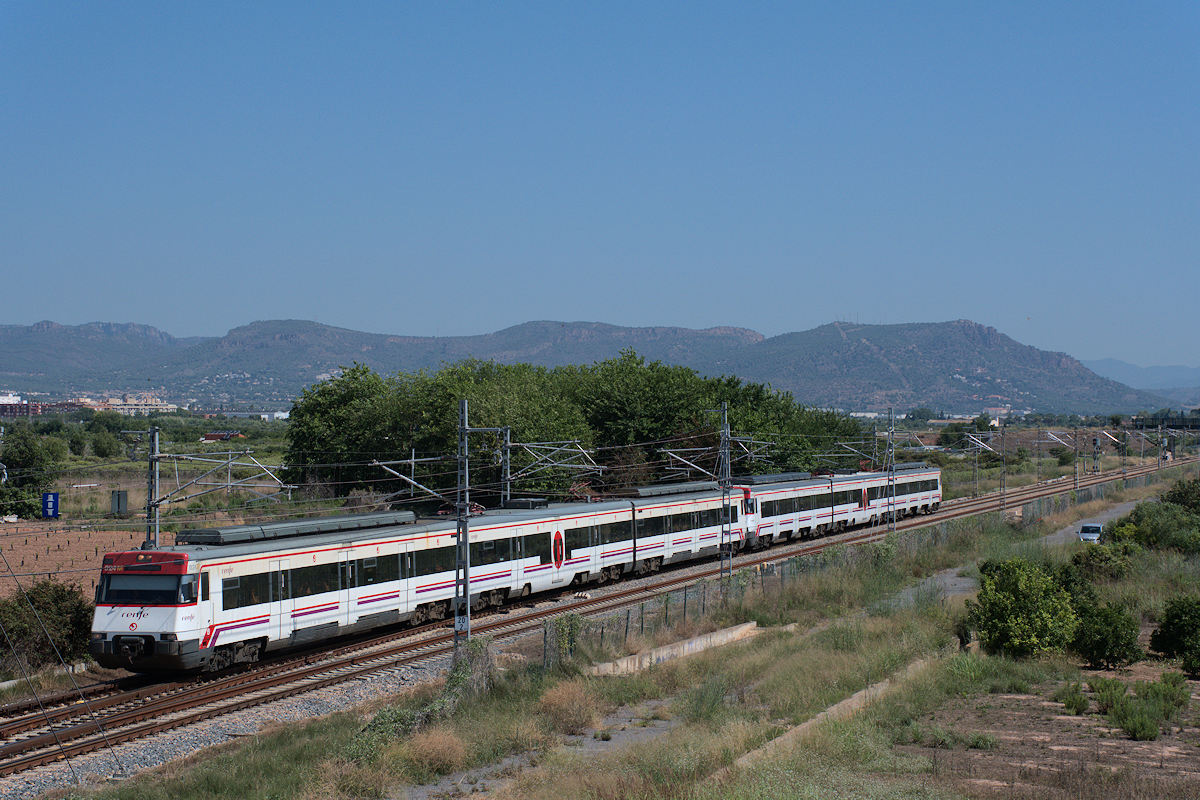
{"points": [[147, 590]]}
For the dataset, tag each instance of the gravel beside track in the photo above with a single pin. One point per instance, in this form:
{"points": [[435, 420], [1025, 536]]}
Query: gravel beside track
{"points": [[157, 750], [129, 758]]}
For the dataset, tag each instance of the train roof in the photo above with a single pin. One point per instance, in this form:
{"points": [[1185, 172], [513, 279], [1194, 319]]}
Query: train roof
{"points": [[206, 544]]}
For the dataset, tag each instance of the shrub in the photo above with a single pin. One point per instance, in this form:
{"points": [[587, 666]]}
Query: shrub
{"points": [[67, 618], [1141, 716], [1107, 637], [1071, 695], [1135, 719], [437, 750], [1021, 611], [105, 445], [1101, 561], [1191, 657], [569, 706], [1180, 624], [1165, 526], [1185, 494], [1108, 692]]}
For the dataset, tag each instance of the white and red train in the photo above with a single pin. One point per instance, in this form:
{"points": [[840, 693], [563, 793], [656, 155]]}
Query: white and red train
{"points": [[229, 595]]}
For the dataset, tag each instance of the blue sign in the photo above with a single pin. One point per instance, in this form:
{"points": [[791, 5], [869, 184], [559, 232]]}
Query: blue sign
{"points": [[49, 505]]}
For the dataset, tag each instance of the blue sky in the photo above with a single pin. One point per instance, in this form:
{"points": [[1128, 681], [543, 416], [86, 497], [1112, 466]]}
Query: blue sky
{"points": [[455, 168]]}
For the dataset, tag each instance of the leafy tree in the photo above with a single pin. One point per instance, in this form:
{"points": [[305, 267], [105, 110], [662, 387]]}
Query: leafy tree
{"points": [[77, 441], [626, 407], [56, 448], [1186, 494], [922, 414], [1180, 625], [1021, 610], [30, 465], [105, 445], [109, 421], [1107, 637], [1162, 526], [67, 617]]}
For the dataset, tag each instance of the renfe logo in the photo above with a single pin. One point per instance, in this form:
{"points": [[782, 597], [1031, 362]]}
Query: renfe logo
{"points": [[133, 626], [558, 550], [141, 613]]}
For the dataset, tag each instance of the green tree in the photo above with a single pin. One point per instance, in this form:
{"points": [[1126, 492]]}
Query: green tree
{"points": [[1180, 626], [77, 441], [1021, 610], [1107, 637], [105, 445], [921, 415], [109, 421], [1185, 494], [67, 618]]}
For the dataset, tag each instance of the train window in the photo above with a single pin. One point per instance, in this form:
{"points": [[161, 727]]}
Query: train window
{"points": [[538, 544], [650, 526], [436, 559], [368, 571], [280, 589], [204, 586], [139, 589], [314, 579], [490, 552], [576, 539], [245, 590], [614, 532], [230, 589]]}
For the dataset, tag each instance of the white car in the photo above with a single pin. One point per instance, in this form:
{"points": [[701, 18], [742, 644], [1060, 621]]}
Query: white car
{"points": [[1089, 532]]}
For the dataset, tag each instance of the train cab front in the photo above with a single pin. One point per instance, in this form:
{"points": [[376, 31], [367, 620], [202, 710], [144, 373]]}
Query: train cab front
{"points": [[147, 617]]}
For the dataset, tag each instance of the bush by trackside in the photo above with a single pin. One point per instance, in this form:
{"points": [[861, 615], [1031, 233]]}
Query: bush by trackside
{"points": [[1180, 625], [1021, 610], [1107, 637], [59, 628]]}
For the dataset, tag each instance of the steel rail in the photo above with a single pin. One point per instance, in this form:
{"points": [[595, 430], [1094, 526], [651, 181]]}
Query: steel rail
{"points": [[286, 679]]}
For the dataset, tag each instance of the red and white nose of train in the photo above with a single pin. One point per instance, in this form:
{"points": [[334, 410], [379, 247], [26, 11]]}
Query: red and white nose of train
{"points": [[147, 615]]}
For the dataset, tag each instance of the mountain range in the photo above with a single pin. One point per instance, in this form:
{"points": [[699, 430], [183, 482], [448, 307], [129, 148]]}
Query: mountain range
{"points": [[951, 366]]}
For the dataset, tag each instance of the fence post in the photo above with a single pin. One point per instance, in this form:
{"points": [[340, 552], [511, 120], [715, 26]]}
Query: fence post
{"points": [[628, 614], [642, 618], [685, 594]]}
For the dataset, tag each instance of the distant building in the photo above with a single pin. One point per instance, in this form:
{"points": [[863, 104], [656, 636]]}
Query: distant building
{"points": [[222, 436], [130, 405]]}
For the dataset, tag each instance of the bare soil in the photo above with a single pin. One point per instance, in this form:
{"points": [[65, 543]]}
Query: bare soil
{"points": [[38, 551], [1042, 751]]}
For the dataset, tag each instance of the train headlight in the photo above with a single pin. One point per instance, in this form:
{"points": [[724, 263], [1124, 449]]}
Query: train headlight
{"points": [[98, 637], [169, 637]]}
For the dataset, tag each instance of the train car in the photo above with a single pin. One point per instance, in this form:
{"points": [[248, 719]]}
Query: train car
{"points": [[223, 596], [803, 505]]}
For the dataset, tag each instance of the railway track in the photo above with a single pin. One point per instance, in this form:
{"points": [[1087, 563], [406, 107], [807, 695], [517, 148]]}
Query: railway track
{"points": [[67, 724]]}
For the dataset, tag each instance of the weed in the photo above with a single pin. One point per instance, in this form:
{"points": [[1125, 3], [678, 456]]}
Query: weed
{"points": [[570, 707], [1071, 695], [982, 741]]}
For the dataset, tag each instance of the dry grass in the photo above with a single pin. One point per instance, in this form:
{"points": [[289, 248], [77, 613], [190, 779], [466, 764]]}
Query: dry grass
{"points": [[437, 751], [570, 707]]}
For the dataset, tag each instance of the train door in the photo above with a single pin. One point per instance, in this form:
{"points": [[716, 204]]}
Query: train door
{"points": [[558, 556], [282, 604], [349, 580]]}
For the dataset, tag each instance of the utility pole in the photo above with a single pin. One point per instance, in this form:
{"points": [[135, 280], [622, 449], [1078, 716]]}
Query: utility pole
{"points": [[462, 548], [462, 541], [1076, 462], [1095, 454], [1003, 469], [152, 500], [725, 479], [891, 465], [1037, 458]]}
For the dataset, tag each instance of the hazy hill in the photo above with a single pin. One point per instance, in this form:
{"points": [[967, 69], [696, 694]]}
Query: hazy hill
{"points": [[956, 366]]}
